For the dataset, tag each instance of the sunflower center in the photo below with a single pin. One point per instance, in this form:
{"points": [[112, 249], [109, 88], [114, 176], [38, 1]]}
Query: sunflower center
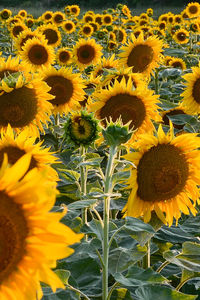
{"points": [[62, 88], [85, 54], [196, 91], [87, 29], [193, 9], [64, 56], [140, 57], [17, 29], [177, 64], [14, 153], [130, 108], [18, 107], [68, 26], [162, 173], [58, 18], [51, 35], [181, 36], [48, 16], [13, 233], [38, 55]]}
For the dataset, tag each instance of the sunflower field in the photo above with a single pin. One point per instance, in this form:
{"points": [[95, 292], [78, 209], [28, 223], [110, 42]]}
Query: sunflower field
{"points": [[100, 154]]}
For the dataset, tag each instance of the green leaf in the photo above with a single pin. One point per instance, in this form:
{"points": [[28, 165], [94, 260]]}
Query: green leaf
{"points": [[94, 227], [81, 204], [121, 294], [63, 275], [161, 292], [69, 175]]}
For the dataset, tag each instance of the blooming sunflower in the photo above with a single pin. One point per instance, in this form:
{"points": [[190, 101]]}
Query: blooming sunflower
{"points": [[58, 18], [5, 14], [181, 36], [107, 19], [98, 19], [67, 88], [177, 62], [142, 55], [193, 9], [15, 146], [166, 176], [191, 94], [63, 56], [75, 10], [11, 66], [179, 110], [120, 34], [87, 52], [32, 237], [106, 63], [47, 16], [24, 105], [87, 30], [16, 28], [36, 53], [24, 36], [22, 13], [88, 18], [68, 26], [121, 100], [51, 33]]}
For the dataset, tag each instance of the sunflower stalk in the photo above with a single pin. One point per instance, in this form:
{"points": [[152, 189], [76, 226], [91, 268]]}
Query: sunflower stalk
{"points": [[147, 258], [83, 177], [107, 190]]}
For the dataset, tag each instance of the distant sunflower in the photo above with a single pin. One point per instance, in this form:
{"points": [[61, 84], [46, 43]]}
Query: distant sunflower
{"points": [[66, 87], [166, 177], [25, 105], [22, 13], [17, 28], [126, 11], [142, 55], [32, 237], [63, 56], [120, 100], [120, 34], [15, 146], [87, 30], [30, 22], [98, 19], [51, 34], [181, 36], [47, 16], [87, 52], [106, 64], [24, 36], [37, 53], [107, 19], [193, 9], [75, 10], [11, 66], [177, 62], [191, 94], [88, 18], [68, 26], [179, 110], [5, 14], [58, 18]]}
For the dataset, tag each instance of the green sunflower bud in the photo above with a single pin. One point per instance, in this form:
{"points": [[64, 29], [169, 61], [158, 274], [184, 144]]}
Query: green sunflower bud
{"points": [[120, 6]]}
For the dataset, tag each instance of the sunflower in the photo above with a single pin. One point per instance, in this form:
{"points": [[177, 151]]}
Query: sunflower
{"points": [[106, 64], [51, 33], [176, 62], [22, 13], [30, 22], [32, 237], [87, 30], [126, 11], [24, 105], [24, 36], [68, 26], [98, 19], [15, 146], [178, 19], [181, 36], [193, 9], [149, 12], [75, 10], [63, 56], [87, 52], [120, 34], [142, 55], [47, 16], [11, 66], [179, 110], [5, 14], [81, 128], [37, 53], [16, 28], [166, 177], [191, 94], [66, 87], [121, 100], [88, 18], [58, 18], [167, 60], [107, 19]]}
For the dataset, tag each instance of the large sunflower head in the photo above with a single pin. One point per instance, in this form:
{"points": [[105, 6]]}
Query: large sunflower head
{"points": [[166, 176], [32, 237], [66, 88], [11, 66], [24, 36], [58, 18], [16, 145], [121, 101], [87, 52], [24, 105], [191, 94], [142, 55], [51, 34], [37, 54], [181, 36], [5, 14]]}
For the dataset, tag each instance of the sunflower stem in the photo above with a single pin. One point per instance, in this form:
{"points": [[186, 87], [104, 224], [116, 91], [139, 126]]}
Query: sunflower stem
{"points": [[147, 257], [179, 286], [156, 82], [162, 266], [107, 190], [83, 178]]}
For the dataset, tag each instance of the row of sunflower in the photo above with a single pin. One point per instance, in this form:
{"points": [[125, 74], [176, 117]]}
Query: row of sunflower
{"points": [[82, 100]]}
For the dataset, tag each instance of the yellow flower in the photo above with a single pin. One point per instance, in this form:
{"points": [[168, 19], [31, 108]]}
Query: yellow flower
{"points": [[31, 236], [68, 26], [142, 55], [51, 34], [66, 88], [107, 64], [181, 36], [63, 56], [193, 9], [177, 62], [166, 176]]}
